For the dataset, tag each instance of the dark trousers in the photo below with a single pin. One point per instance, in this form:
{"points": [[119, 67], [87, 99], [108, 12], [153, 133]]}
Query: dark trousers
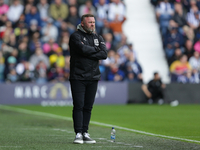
{"points": [[83, 94]]}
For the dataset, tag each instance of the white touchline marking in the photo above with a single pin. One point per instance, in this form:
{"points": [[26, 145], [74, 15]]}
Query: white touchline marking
{"points": [[11, 146], [92, 122]]}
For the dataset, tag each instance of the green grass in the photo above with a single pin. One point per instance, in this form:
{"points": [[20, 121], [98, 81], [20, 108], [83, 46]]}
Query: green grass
{"points": [[28, 131], [182, 121]]}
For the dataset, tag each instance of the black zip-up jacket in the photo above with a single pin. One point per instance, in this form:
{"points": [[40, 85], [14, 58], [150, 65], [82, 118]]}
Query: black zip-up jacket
{"points": [[86, 50]]}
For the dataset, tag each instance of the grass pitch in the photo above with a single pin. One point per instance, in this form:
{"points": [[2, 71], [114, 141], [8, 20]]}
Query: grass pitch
{"points": [[30, 131]]}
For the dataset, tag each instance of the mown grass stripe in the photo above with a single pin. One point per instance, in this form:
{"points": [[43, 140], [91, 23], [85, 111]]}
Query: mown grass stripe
{"points": [[93, 122]]}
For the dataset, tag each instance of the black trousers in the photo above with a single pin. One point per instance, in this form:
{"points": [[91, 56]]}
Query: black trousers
{"points": [[83, 94]]}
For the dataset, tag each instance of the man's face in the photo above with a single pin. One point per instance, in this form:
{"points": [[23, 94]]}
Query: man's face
{"points": [[88, 24]]}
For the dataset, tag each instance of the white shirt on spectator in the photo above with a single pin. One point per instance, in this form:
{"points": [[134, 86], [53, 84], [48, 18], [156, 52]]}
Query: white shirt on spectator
{"points": [[116, 9], [14, 12], [43, 10], [164, 8], [49, 32], [195, 63], [192, 20], [102, 11]]}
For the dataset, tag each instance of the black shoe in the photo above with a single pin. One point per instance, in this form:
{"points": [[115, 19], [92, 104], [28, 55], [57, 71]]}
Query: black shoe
{"points": [[87, 139]]}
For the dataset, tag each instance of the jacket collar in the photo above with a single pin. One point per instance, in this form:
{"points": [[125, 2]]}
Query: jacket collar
{"points": [[79, 27]]}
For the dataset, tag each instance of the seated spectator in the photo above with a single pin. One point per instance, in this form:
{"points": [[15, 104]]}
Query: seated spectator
{"points": [[33, 28], [179, 15], [197, 46], [57, 58], [49, 31], [186, 77], [177, 54], [59, 11], [3, 7], [179, 67], [164, 12], [56, 74], [154, 90], [33, 15], [87, 8], [25, 70], [193, 17], [108, 40], [15, 10], [115, 74], [189, 48], [41, 72], [133, 69], [73, 19], [9, 65], [12, 76], [116, 8], [24, 52], [194, 61], [65, 45], [13, 41], [6, 32], [21, 30], [101, 15], [172, 41], [39, 56]]}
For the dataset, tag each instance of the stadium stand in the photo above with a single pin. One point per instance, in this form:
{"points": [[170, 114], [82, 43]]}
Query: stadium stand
{"points": [[34, 38], [179, 28]]}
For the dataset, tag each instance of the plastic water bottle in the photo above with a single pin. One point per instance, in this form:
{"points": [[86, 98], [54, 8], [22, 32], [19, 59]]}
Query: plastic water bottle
{"points": [[112, 136]]}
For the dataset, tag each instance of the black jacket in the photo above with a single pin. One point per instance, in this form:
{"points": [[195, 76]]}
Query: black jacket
{"points": [[86, 50]]}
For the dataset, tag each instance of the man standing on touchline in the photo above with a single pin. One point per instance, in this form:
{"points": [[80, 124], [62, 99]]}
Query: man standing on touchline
{"points": [[86, 49]]}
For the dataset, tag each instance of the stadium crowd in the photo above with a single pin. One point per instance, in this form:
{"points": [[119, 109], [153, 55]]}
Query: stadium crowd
{"points": [[179, 22], [34, 37]]}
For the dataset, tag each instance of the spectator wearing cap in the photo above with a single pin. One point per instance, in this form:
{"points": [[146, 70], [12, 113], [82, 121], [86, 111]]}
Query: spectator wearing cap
{"points": [[15, 10], [34, 14], [3, 8], [59, 11], [33, 28], [49, 31], [10, 64], [58, 59]]}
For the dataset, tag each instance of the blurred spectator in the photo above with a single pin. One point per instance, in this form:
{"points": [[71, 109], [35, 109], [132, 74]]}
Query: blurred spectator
{"points": [[115, 74], [24, 52], [59, 11], [197, 45], [9, 65], [21, 30], [25, 70], [33, 15], [50, 47], [108, 40], [164, 12], [39, 56], [193, 17], [133, 69], [56, 74], [73, 19], [33, 28], [179, 15], [57, 58], [101, 15], [172, 41], [116, 27], [6, 32], [15, 10], [49, 31], [116, 7], [189, 48], [13, 41], [12, 76], [87, 8], [179, 68], [41, 72], [65, 45], [3, 7], [195, 61], [154, 90], [43, 8], [176, 56]]}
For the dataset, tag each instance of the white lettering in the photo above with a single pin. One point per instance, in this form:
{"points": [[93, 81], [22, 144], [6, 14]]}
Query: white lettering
{"points": [[18, 92], [27, 93], [102, 91], [36, 92], [44, 91]]}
